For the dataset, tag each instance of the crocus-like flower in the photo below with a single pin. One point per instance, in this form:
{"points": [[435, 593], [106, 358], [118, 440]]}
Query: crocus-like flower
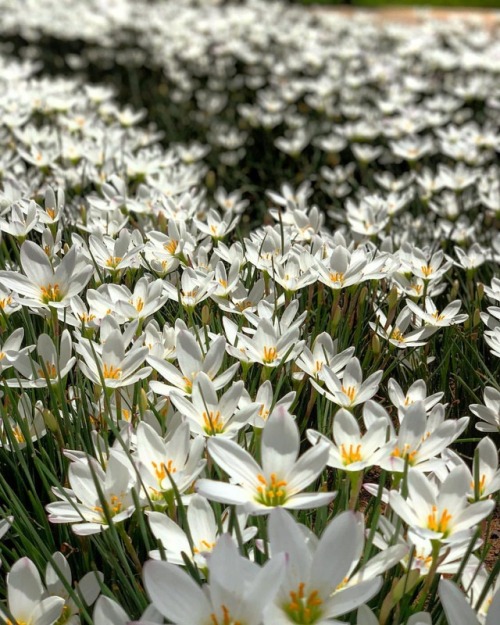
{"points": [[351, 390], [433, 318], [208, 415], [108, 612], [458, 610], [191, 361], [440, 512], [350, 450], [239, 590], [42, 286], [88, 587], [313, 589], [112, 365], [490, 412], [203, 531], [83, 506], [281, 478], [161, 462], [27, 599]]}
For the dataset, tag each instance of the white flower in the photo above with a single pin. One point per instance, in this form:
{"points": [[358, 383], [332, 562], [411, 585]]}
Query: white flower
{"points": [[281, 478], [27, 599], [239, 591]]}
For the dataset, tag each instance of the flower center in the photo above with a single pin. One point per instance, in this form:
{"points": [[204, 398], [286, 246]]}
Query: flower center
{"points": [[139, 304], [171, 246], [437, 316], [270, 354], [163, 469], [114, 505], [227, 619], [426, 270], [204, 546], [110, 372], [51, 370], [272, 492], [439, 523], [303, 609], [18, 435], [114, 261], [6, 301], [51, 293], [212, 422], [338, 276], [350, 391], [405, 453], [482, 484], [353, 454], [397, 335]]}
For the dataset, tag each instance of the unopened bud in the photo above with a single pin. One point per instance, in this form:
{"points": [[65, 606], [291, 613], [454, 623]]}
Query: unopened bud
{"points": [[337, 316], [480, 291], [205, 315], [392, 298], [143, 402], [454, 290], [476, 318], [50, 421], [376, 348]]}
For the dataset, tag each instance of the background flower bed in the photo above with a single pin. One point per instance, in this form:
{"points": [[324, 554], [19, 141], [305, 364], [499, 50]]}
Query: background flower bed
{"points": [[267, 133]]}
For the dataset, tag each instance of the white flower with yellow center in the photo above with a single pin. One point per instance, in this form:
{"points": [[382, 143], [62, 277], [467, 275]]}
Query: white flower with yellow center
{"points": [[440, 512], [280, 479]]}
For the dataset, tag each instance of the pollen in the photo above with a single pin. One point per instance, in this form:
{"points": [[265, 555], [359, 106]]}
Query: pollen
{"points": [[482, 484], [162, 469], [110, 372], [18, 435], [51, 212], [397, 335], [271, 492], [439, 523], [427, 270], [405, 453], [437, 316], [338, 276], [204, 546], [227, 619], [113, 261], [139, 304], [51, 369], [51, 293], [351, 454], [171, 246], [213, 423], [6, 301], [302, 608], [350, 391], [114, 506], [270, 355]]}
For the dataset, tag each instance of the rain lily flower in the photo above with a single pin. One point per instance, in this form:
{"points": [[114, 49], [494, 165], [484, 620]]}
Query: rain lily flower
{"points": [[42, 286], [27, 599], [489, 413], [163, 461], [313, 588], [203, 532], [441, 512], [208, 415], [352, 451], [459, 612], [239, 591], [83, 506], [280, 479], [351, 390]]}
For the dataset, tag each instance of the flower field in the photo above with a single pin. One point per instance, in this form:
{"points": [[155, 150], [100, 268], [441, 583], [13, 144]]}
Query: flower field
{"points": [[249, 316]]}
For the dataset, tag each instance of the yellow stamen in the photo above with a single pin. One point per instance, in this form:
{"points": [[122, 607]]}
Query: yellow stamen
{"points": [[303, 609], [439, 523], [272, 492], [397, 335], [226, 618], [114, 261], [171, 246], [353, 454], [338, 276], [405, 453], [213, 423], [51, 293], [270, 355], [110, 372], [350, 391], [6, 301], [51, 371], [163, 469]]}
